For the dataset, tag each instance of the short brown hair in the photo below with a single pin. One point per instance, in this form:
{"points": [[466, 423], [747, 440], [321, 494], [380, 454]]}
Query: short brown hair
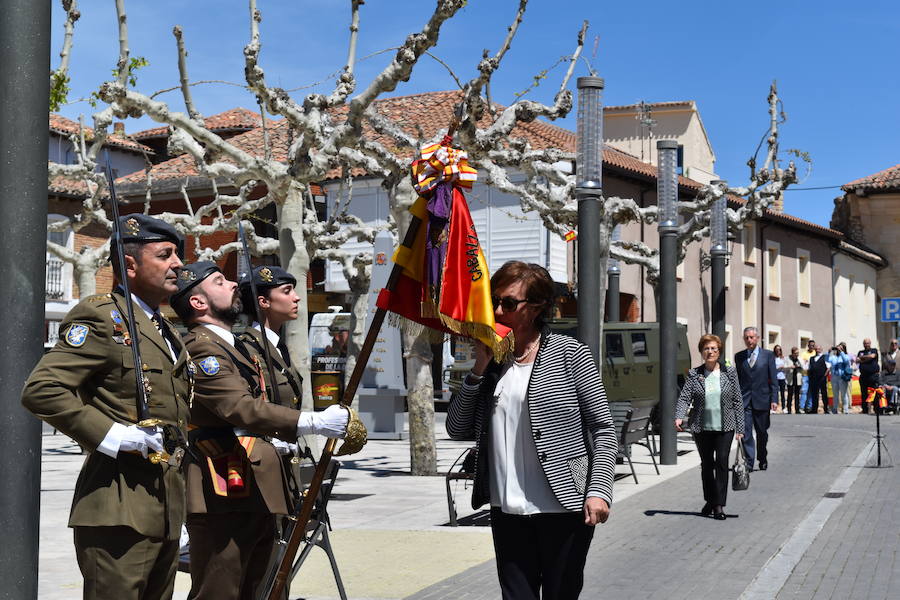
{"points": [[539, 287], [709, 337]]}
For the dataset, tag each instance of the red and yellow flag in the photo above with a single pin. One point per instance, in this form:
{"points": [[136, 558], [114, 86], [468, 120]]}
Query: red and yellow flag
{"points": [[459, 300]]}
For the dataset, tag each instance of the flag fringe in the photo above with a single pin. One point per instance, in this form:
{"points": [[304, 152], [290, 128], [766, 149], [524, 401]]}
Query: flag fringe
{"points": [[501, 347]]}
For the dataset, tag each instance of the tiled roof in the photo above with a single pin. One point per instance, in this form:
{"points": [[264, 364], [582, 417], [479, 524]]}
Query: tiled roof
{"points": [[63, 185], [63, 126], [236, 119], [652, 105], [882, 181]]}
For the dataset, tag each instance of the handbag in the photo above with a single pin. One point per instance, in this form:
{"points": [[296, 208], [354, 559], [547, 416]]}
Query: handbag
{"points": [[740, 477]]}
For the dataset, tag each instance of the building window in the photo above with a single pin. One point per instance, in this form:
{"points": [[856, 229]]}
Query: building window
{"points": [[773, 269], [748, 243], [804, 278], [748, 304], [773, 336], [59, 275], [803, 338], [52, 333], [727, 343]]}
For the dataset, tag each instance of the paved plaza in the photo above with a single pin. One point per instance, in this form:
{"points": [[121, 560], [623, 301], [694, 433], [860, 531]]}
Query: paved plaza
{"points": [[817, 524]]}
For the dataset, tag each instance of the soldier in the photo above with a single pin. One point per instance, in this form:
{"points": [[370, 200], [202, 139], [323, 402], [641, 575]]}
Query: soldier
{"points": [[278, 303], [236, 485], [127, 511]]}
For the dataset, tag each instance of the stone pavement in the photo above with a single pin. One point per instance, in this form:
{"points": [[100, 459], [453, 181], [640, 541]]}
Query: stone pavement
{"points": [[392, 541], [656, 544]]}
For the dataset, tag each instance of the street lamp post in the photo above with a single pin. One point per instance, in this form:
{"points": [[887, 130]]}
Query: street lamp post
{"points": [[24, 96], [613, 274], [667, 198], [588, 193], [718, 234]]}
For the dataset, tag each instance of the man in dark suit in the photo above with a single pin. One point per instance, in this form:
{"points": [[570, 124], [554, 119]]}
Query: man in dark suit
{"points": [[818, 381], [759, 387]]}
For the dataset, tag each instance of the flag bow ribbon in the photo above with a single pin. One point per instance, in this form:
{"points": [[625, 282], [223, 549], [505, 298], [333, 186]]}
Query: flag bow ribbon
{"points": [[445, 283]]}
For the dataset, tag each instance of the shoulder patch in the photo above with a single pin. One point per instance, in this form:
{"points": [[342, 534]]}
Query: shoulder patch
{"points": [[209, 365], [76, 335], [98, 298]]}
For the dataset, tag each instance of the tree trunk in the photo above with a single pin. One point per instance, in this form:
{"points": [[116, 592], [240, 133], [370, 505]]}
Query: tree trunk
{"points": [[420, 399], [86, 278], [419, 386], [295, 259], [604, 232], [359, 310]]}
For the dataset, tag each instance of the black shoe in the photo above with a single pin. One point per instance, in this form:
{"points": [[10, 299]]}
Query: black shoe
{"points": [[763, 466], [706, 510], [718, 513]]}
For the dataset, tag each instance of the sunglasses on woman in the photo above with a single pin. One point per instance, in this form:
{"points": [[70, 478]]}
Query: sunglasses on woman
{"points": [[508, 303]]}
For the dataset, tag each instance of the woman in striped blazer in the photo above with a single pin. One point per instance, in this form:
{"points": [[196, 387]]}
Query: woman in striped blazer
{"points": [[711, 407], [546, 444]]}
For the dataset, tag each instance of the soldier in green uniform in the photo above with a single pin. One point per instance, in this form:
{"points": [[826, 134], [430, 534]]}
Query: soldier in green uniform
{"points": [[235, 484], [127, 511]]}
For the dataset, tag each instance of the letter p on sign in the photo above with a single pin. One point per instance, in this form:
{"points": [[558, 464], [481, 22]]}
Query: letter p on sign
{"points": [[890, 309]]}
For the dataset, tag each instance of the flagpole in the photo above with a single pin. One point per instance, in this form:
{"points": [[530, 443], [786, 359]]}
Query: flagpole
{"points": [[276, 582]]}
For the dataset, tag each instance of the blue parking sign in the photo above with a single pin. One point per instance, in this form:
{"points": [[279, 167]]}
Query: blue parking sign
{"points": [[890, 310]]}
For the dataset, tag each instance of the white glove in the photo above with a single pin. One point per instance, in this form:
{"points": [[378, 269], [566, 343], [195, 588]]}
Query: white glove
{"points": [[331, 422], [284, 448], [141, 439]]}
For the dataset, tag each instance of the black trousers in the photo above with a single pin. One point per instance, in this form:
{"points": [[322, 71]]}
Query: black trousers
{"points": [[540, 553], [713, 447], [866, 384], [818, 388], [793, 396], [782, 388]]}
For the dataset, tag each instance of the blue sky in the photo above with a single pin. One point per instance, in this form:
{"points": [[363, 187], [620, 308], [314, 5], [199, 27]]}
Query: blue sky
{"points": [[836, 64]]}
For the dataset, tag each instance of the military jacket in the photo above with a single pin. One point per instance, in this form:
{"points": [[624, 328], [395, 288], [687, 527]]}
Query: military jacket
{"points": [[86, 383], [287, 378], [224, 400]]}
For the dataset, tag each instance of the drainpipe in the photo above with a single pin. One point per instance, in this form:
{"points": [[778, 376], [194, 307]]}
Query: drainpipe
{"points": [[764, 264]]}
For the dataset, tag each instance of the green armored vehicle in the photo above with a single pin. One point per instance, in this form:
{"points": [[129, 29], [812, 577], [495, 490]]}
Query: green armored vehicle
{"points": [[630, 359]]}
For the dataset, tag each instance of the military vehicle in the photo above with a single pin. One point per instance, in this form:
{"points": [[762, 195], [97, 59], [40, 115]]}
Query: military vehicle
{"points": [[630, 359]]}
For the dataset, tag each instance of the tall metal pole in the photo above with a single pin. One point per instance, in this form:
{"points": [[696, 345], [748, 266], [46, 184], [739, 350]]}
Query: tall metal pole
{"points": [[667, 198], [718, 233], [588, 193], [24, 95], [613, 274]]}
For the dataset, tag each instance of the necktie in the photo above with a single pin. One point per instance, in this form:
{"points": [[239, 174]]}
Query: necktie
{"points": [[752, 360], [282, 347], [164, 330]]}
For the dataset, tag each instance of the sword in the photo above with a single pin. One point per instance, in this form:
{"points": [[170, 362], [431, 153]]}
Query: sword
{"points": [[171, 434]]}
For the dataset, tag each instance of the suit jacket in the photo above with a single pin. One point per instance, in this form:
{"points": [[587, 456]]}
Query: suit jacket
{"points": [[85, 384], [287, 378], [224, 400], [573, 431], [759, 385], [818, 367]]}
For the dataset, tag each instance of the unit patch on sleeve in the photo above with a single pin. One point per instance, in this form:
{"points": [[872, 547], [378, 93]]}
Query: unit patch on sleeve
{"points": [[209, 365], [76, 335]]}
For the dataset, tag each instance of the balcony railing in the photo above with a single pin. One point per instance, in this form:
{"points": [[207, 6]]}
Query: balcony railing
{"points": [[56, 285]]}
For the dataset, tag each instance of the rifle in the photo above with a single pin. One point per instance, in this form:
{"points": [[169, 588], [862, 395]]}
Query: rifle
{"points": [[173, 440], [267, 355]]}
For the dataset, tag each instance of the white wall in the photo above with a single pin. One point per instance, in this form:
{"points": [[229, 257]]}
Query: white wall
{"points": [[855, 310]]}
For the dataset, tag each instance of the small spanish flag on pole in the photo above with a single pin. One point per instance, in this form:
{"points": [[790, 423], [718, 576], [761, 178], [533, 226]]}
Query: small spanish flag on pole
{"points": [[571, 235], [444, 283]]}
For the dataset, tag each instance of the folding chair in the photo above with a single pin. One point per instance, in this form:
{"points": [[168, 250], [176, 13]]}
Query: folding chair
{"points": [[317, 528], [634, 431], [466, 472]]}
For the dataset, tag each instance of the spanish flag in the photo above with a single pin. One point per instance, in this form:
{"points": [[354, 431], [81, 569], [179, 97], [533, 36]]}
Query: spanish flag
{"points": [[445, 283]]}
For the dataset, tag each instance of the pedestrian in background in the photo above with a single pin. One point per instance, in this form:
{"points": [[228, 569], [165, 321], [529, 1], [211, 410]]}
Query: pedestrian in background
{"points": [[841, 374], [818, 381], [808, 353], [711, 407], [756, 374], [780, 374], [794, 373], [868, 372], [546, 443]]}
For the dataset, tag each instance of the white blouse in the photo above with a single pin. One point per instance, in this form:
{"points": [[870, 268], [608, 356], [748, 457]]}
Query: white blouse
{"points": [[517, 480]]}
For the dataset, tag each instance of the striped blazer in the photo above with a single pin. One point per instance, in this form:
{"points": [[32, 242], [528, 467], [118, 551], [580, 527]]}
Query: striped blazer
{"points": [[571, 424], [693, 397]]}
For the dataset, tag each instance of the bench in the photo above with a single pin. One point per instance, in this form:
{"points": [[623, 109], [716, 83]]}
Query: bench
{"points": [[635, 431]]}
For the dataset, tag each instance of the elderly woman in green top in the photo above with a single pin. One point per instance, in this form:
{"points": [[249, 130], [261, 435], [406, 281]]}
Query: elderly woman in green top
{"points": [[710, 406]]}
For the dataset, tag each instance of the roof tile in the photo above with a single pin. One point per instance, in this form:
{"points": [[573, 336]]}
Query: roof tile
{"points": [[882, 181], [63, 126]]}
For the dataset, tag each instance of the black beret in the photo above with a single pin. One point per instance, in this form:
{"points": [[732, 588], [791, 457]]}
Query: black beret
{"points": [[142, 229], [268, 277], [192, 274]]}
